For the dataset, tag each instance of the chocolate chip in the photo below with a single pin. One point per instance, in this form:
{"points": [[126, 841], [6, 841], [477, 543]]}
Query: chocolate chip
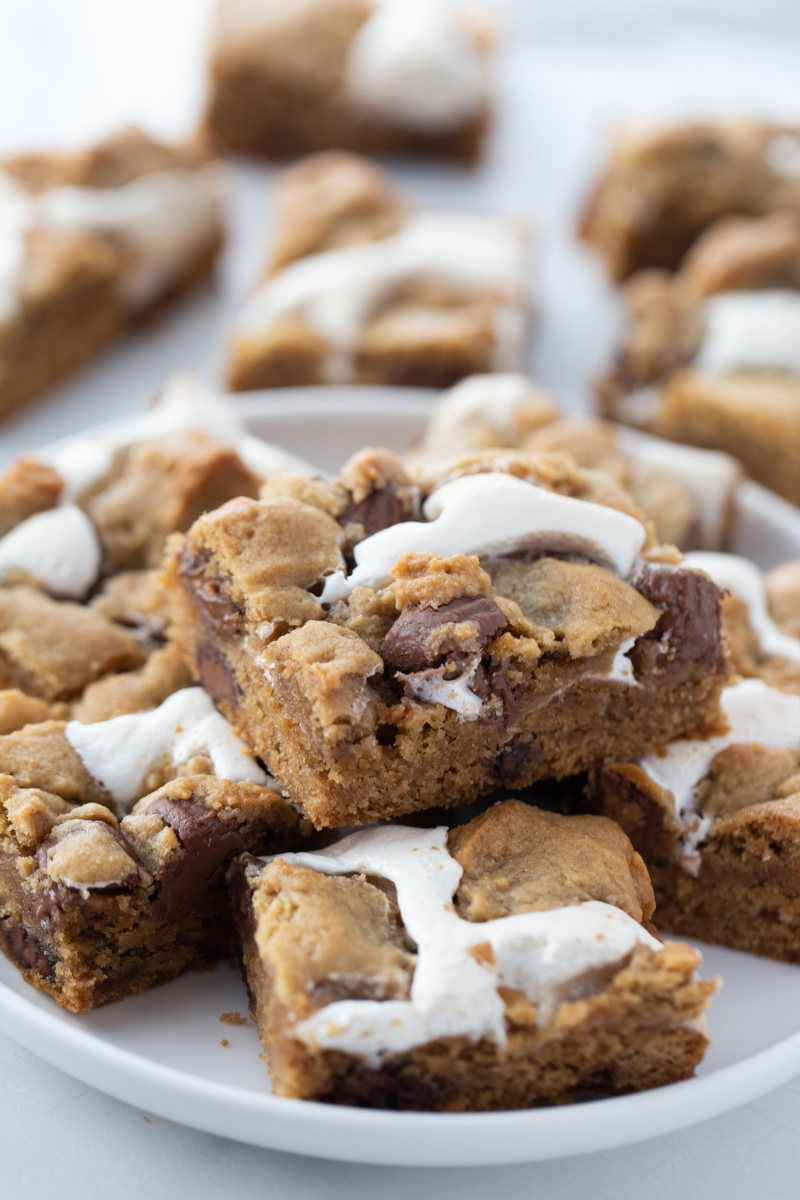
{"points": [[216, 675], [690, 621], [379, 510], [28, 952], [218, 610], [407, 646]]}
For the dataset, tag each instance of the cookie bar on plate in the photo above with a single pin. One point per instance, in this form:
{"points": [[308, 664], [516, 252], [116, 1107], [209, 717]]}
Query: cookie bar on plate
{"points": [[501, 964], [718, 820], [364, 291], [83, 525], [662, 188], [686, 492], [288, 77], [710, 356], [93, 242], [93, 909], [384, 651]]}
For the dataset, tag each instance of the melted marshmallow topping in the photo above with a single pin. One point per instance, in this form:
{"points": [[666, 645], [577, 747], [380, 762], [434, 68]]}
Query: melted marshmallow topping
{"points": [[161, 219], [709, 476], [492, 516], [745, 580], [122, 752], [752, 330], [492, 400], [755, 713], [337, 291], [454, 993], [59, 549], [415, 63]]}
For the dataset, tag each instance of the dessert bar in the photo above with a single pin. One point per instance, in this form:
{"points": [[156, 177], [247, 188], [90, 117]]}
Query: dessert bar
{"points": [[92, 909], [686, 492], [661, 188], [364, 290], [287, 77], [502, 964], [384, 651], [95, 241], [710, 357]]}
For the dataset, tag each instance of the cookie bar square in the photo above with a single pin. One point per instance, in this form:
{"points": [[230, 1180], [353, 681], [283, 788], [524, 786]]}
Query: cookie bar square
{"points": [[718, 824], [288, 78], [98, 240], [662, 188], [92, 910], [709, 357], [366, 291], [383, 657], [501, 964]]}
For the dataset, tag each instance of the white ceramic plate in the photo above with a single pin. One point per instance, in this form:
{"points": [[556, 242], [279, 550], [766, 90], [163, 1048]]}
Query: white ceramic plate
{"points": [[163, 1051]]}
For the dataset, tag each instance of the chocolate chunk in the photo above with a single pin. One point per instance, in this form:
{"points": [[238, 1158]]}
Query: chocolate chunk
{"points": [[28, 952], [512, 761], [216, 675], [379, 510], [194, 880], [407, 646], [217, 609], [690, 621], [383, 1088]]}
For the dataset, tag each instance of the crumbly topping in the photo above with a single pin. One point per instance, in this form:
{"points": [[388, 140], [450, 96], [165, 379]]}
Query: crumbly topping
{"points": [[745, 254], [135, 598], [517, 858], [160, 486], [29, 813], [39, 756], [587, 607], [748, 773], [272, 551], [53, 648], [371, 470], [164, 672], [353, 927], [330, 667], [329, 495], [426, 580], [368, 613], [18, 709], [86, 851], [27, 487]]}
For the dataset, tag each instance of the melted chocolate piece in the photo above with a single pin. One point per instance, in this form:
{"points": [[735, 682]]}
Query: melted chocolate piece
{"points": [[216, 675], [405, 646], [379, 510], [28, 952], [382, 1088], [217, 609], [196, 877], [690, 622]]}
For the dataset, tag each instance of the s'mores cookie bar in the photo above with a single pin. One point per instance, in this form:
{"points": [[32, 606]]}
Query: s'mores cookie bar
{"points": [[92, 909], [686, 492], [95, 241], [365, 291], [710, 356], [662, 188], [384, 651], [288, 77], [718, 823], [501, 964]]}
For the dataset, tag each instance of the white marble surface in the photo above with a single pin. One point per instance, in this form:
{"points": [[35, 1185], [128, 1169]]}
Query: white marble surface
{"points": [[69, 70]]}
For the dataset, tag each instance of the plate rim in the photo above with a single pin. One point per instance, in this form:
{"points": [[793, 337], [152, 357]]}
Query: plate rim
{"points": [[397, 1138]]}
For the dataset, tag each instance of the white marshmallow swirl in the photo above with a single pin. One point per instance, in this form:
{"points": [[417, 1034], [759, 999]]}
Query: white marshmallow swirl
{"points": [[752, 330], [121, 752], [337, 291], [744, 579], [59, 549], [491, 516], [454, 993], [416, 63]]}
